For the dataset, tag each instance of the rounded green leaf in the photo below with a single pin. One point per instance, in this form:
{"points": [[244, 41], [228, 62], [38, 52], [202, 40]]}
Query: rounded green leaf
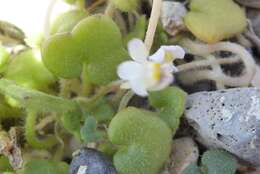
{"points": [[27, 70], [60, 56], [171, 104], [144, 141], [127, 6], [67, 21], [41, 166], [4, 164], [96, 41], [219, 161], [72, 121], [212, 21], [192, 169]]}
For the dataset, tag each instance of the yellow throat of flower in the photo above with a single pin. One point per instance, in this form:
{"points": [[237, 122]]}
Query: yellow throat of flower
{"points": [[168, 57], [156, 71]]}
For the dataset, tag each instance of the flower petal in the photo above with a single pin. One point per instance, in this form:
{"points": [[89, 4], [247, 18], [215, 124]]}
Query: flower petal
{"points": [[129, 70], [137, 50], [177, 51], [169, 68], [138, 87], [158, 56], [165, 81]]}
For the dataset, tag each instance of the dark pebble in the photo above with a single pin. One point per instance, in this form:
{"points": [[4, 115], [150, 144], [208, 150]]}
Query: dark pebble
{"points": [[93, 161]]}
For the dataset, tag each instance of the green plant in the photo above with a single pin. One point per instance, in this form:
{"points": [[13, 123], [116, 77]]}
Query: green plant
{"points": [[144, 141], [212, 162], [63, 56], [212, 21]]}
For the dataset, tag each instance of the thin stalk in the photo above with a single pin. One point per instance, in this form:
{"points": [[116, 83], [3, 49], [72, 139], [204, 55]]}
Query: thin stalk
{"points": [[47, 21], [153, 22], [110, 9], [31, 135], [125, 100]]}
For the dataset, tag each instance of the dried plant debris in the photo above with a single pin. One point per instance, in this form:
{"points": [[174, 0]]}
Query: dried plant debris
{"points": [[10, 147], [11, 34]]}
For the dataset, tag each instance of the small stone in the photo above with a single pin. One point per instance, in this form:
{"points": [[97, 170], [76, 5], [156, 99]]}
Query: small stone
{"points": [[91, 161], [184, 152], [228, 119], [172, 15]]}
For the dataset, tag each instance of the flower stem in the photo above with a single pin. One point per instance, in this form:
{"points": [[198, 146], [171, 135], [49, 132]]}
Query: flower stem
{"points": [[125, 100], [153, 22], [91, 102], [48, 18]]}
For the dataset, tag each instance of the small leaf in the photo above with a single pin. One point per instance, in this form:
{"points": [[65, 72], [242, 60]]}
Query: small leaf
{"points": [[103, 112], [67, 21], [192, 169], [4, 164], [71, 121], [212, 21], [96, 43], [89, 132], [27, 70], [6, 111], [219, 161], [144, 141], [38, 166], [171, 103], [35, 100], [127, 6]]}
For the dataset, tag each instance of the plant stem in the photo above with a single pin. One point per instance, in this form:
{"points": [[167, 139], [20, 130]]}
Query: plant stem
{"points": [[31, 136], [125, 100], [91, 102], [110, 9], [48, 18], [153, 22]]}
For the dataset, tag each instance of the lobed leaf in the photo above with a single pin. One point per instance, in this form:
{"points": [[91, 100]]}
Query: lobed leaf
{"points": [[67, 21], [144, 141], [171, 104], [212, 21], [96, 41], [27, 70], [40, 166], [218, 161]]}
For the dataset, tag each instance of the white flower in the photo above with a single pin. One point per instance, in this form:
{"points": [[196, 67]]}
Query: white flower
{"points": [[146, 73]]}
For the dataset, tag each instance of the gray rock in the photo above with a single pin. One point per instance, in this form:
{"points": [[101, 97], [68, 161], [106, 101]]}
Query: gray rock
{"points": [[228, 119], [91, 161], [172, 14]]}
